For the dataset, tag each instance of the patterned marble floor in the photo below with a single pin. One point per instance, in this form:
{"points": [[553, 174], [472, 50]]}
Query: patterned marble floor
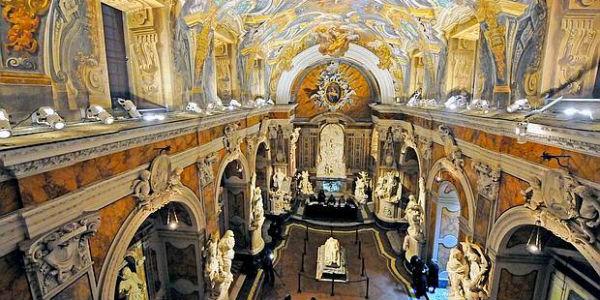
{"points": [[385, 280]]}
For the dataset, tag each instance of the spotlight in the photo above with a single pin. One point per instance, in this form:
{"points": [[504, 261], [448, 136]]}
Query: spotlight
{"points": [[153, 117], [46, 115], [98, 113], [172, 220], [130, 108], [5, 128], [521, 132], [194, 108], [534, 243], [234, 104]]}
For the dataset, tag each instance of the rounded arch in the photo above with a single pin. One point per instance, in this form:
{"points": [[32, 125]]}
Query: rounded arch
{"points": [[444, 164], [408, 144], [516, 217], [118, 248], [356, 54], [228, 159]]}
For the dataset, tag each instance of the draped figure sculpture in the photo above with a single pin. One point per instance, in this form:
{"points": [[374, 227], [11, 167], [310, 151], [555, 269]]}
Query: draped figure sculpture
{"points": [[257, 219]]}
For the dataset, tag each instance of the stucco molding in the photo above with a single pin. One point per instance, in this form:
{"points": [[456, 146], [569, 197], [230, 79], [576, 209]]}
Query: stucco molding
{"points": [[357, 54]]}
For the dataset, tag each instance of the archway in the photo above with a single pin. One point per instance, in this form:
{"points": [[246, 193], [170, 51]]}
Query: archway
{"points": [[233, 204], [446, 227], [507, 247], [533, 263], [115, 259], [263, 172], [410, 171]]}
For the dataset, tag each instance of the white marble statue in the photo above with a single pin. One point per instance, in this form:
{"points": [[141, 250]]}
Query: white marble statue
{"points": [[131, 286], [422, 191], [257, 219], [362, 182], [333, 256], [281, 195], [385, 186], [414, 237], [293, 144], [468, 269], [331, 161], [212, 261], [217, 270], [306, 187]]}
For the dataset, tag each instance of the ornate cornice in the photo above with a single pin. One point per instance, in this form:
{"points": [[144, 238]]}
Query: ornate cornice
{"points": [[587, 142]]}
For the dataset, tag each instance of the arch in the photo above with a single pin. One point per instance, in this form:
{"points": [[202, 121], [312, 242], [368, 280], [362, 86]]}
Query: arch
{"points": [[356, 54], [118, 248], [519, 216], [444, 164], [409, 144], [228, 159]]}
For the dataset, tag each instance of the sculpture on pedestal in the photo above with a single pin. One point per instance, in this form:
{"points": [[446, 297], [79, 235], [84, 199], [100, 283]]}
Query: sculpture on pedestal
{"points": [[217, 270], [388, 150], [331, 261], [362, 182], [306, 187], [387, 199], [468, 270], [332, 253], [131, 286], [331, 162], [293, 143], [414, 237], [257, 218]]}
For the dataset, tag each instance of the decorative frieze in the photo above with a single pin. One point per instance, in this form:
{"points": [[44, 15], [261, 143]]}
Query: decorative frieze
{"points": [[488, 180], [232, 139], [57, 258]]}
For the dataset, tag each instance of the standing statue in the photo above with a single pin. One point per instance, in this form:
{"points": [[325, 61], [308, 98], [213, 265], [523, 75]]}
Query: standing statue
{"points": [[306, 187], [218, 255], [293, 144], [281, 195], [422, 191], [141, 187], [280, 146], [468, 270], [257, 219], [414, 237], [388, 149], [131, 286], [362, 183]]}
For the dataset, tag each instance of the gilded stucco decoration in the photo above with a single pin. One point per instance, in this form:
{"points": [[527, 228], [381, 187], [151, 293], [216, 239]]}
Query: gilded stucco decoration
{"points": [[334, 91], [494, 32], [333, 40], [24, 19]]}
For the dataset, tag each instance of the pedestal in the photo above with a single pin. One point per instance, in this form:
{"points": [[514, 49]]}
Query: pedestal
{"points": [[386, 212], [411, 247], [326, 273]]}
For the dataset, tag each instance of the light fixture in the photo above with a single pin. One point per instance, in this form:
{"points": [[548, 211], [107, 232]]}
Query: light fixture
{"points": [[172, 220], [98, 113], [46, 115], [438, 177], [534, 243], [5, 128], [521, 132], [239, 166], [234, 104], [194, 108], [130, 108], [153, 117], [518, 105]]}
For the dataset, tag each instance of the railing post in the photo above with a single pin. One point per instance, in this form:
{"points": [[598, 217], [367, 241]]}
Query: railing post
{"points": [[306, 234], [299, 290], [367, 294], [359, 249], [304, 247], [332, 287], [302, 269], [331, 231], [362, 271], [356, 236]]}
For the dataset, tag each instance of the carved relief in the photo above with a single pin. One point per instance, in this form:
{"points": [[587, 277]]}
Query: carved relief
{"points": [[565, 206], [53, 260], [453, 153], [232, 139], [155, 185], [488, 180], [205, 168], [331, 162], [218, 255], [468, 269]]}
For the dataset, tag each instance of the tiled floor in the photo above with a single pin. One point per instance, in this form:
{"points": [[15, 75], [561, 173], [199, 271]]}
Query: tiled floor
{"points": [[385, 282]]}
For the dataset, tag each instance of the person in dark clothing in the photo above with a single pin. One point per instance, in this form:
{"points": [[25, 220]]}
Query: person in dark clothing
{"points": [[419, 277], [267, 265], [331, 200], [321, 196], [432, 276]]}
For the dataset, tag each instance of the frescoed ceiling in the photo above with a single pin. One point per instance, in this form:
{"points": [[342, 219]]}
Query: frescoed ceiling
{"points": [[271, 27]]}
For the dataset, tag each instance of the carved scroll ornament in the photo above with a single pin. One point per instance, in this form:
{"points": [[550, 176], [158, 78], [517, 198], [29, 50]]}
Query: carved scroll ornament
{"points": [[155, 185], [488, 180], [24, 19], [53, 260], [451, 149]]}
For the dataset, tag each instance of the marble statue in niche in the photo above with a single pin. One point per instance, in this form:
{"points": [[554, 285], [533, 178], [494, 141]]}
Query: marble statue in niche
{"points": [[388, 149], [217, 269], [257, 219], [468, 269], [306, 187], [279, 145], [331, 162], [362, 183], [293, 144], [131, 286], [385, 196]]}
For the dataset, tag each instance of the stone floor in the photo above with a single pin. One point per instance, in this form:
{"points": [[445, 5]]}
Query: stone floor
{"points": [[386, 281]]}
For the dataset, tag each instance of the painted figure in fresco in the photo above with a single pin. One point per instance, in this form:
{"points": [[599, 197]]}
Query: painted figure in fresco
{"points": [[335, 41]]}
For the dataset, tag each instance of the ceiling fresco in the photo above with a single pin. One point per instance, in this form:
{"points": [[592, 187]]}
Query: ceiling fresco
{"points": [[272, 26]]}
